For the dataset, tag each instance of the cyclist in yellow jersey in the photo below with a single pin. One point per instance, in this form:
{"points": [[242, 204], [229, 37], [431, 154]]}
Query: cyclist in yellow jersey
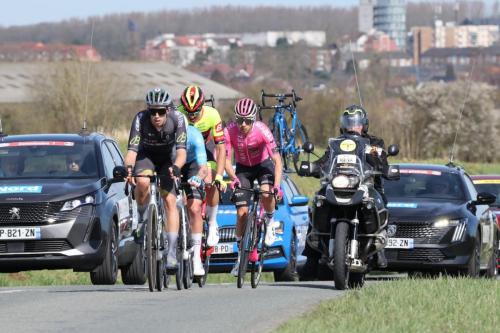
{"points": [[207, 120]]}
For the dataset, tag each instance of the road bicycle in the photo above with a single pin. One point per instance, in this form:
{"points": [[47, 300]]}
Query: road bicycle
{"points": [[253, 238], [289, 133], [152, 233]]}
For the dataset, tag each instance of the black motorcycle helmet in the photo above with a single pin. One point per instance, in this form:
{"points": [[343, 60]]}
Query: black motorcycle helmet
{"points": [[354, 116]]}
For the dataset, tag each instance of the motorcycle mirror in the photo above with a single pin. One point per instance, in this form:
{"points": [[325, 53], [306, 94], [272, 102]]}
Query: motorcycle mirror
{"points": [[308, 147], [393, 172], [119, 172], [393, 150]]}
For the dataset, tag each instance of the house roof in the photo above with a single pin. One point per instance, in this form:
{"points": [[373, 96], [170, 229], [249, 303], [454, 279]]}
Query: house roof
{"points": [[17, 79], [461, 52]]}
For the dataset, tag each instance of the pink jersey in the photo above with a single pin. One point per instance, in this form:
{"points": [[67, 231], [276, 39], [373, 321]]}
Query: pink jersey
{"points": [[253, 148]]}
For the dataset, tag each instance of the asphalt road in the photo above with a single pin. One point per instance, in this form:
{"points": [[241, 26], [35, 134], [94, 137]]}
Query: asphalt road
{"points": [[214, 308]]}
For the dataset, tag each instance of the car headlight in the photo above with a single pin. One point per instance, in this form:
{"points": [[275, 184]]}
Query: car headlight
{"points": [[343, 181], [74, 203], [444, 223]]}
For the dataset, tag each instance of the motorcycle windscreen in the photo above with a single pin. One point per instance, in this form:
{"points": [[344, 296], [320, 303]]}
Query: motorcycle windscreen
{"points": [[348, 154]]}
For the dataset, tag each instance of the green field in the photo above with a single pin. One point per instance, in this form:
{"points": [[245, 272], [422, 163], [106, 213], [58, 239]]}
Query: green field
{"points": [[407, 305]]}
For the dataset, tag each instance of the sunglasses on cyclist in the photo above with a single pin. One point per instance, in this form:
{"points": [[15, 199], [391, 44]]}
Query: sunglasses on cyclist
{"points": [[159, 112], [247, 121], [195, 114]]}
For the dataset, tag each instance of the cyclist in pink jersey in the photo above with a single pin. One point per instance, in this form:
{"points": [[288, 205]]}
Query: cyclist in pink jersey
{"points": [[256, 158]]}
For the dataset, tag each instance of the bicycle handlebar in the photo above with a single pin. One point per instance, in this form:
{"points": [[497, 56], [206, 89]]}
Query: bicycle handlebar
{"points": [[210, 100], [280, 96], [255, 190]]}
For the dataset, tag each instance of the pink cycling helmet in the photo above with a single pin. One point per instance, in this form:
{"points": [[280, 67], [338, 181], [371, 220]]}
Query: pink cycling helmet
{"points": [[245, 108]]}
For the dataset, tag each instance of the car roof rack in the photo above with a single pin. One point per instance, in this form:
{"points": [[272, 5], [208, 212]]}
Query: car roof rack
{"points": [[84, 131]]}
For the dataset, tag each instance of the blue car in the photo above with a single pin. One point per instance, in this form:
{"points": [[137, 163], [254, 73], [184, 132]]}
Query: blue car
{"points": [[283, 257]]}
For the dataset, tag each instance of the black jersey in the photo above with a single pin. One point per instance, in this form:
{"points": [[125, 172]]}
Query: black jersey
{"points": [[144, 137]]}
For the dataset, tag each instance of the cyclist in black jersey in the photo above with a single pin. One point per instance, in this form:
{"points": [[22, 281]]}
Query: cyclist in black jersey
{"points": [[157, 142]]}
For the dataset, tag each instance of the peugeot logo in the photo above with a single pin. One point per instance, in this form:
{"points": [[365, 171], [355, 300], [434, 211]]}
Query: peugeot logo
{"points": [[391, 230], [14, 213]]}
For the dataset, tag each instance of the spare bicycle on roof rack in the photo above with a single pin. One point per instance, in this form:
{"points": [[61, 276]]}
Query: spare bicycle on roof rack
{"points": [[286, 127]]}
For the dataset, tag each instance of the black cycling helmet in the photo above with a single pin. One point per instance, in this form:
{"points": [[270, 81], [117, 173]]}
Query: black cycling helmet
{"points": [[158, 98], [354, 116]]}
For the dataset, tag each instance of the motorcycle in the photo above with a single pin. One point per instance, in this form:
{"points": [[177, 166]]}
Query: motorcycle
{"points": [[349, 215]]}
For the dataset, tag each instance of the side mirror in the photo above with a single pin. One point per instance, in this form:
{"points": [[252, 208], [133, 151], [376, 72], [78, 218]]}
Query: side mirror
{"points": [[119, 173], [485, 198], [393, 150], [299, 200], [308, 147], [393, 172]]}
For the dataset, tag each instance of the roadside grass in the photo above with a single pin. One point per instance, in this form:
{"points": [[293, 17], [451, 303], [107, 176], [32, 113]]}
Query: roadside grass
{"points": [[408, 305]]}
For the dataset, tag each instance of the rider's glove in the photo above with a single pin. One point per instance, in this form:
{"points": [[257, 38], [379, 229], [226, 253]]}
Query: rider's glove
{"points": [[234, 183], [278, 191], [220, 180], [176, 171], [195, 181]]}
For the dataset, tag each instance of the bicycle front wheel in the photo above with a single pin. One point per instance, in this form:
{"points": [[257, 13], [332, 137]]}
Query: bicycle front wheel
{"points": [[206, 251], [150, 242], [299, 155], [259, 264], [246, 248]]}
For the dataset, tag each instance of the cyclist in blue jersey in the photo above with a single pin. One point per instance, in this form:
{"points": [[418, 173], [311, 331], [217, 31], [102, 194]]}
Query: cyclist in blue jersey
{"points": [[194, 171]]}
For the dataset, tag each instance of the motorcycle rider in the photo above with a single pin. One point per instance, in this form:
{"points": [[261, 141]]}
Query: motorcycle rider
{"points": [[353, 121]]}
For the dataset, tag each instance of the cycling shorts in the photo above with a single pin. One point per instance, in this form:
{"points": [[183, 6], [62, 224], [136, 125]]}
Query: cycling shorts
{"points": [[263, 173]]}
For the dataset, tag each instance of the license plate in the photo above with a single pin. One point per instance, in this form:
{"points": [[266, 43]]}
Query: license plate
{"points": [[20, 233], [346, 158], [399, 243], [224, 248]]}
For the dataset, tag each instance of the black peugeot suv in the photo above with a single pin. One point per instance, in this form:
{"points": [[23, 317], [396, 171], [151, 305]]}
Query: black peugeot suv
{"points": [[439, 223], [60, 207]]}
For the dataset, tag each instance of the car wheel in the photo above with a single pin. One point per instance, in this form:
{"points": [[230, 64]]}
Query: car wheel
{"points": [[473, 267], [107, 271], [290, 272], [135, 272]]}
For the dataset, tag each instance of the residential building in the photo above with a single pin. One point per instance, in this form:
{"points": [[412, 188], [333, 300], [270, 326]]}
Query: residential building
{"points": [[389, 16], [27, 52], [365, 15], [450, 35], [422, 40]]}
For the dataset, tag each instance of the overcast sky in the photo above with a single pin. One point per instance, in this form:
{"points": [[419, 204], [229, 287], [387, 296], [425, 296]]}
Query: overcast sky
{"points": [[36, 11]]}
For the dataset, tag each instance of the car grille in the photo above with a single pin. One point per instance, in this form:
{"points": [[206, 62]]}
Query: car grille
{"points": [[421, 232], [423, 255], [52, 245], [40, 213], [227, 235], [223, 258]]}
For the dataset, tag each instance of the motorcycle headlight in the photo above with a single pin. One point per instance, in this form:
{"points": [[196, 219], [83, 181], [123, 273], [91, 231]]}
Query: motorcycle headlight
{"points": [[74, 203], [343, 181]]}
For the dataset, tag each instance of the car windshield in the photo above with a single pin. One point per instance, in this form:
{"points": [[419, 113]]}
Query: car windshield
{"points": [[425, 184], [47, 159], [483, 186]]}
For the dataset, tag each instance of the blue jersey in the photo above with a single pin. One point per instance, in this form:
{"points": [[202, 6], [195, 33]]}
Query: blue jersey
{"points": [[195, 146]]}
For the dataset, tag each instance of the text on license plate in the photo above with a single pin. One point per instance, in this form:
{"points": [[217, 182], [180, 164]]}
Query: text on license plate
{"points": [[20, 233], [224, 248], [346, 158], [400, 243]]}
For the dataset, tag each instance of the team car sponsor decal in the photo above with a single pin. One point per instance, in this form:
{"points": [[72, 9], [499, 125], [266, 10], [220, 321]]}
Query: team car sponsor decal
{"points": [[20, 189], [348, 145], [421, 172], [486, 181], [37, 143], [402, 205]]}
